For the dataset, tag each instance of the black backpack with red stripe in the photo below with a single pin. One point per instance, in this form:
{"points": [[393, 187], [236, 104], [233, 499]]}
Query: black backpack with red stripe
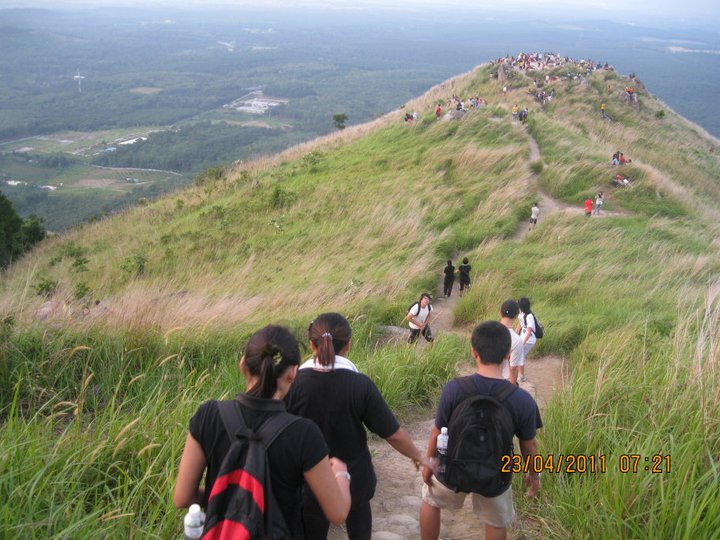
{"points": [[241, 504]]}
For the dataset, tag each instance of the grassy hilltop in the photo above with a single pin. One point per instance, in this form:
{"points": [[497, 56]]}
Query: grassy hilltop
{"points": [[95, 397]]}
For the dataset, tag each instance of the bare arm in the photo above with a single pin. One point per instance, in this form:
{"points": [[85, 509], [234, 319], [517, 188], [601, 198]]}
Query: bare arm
{"points": [[192, 466], [410, 317], [528, 333], [401, 441], [332, 492], [532, 479], [431, 452]]}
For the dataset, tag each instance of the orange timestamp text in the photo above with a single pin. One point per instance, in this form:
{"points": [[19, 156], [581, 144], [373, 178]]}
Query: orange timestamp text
{"points": [[585, 463]]}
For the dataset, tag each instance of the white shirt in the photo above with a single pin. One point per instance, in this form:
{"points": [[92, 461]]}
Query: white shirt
{"points": [[535, 212], [420, 317], [340, 363]]}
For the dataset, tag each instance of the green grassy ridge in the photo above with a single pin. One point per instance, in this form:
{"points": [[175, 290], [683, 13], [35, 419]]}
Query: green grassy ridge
{"points": [[589, 277], [572, 130], [373, 188], [364, 226]]}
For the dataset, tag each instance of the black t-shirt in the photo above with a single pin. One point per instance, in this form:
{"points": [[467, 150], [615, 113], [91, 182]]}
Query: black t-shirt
{"points": [[449, 272], [297, 449], [342, 403], [464, 272]]}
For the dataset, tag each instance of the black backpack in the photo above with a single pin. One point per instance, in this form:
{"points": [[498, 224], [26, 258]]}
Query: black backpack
{"points": [[242, 504], [480, 433], [539, 330]]}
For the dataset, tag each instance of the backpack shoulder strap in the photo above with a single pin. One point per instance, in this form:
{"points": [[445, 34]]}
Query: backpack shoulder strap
{"points": [[274, 426], [232, 418], [467, 387], [503, 391], [235, 424]]}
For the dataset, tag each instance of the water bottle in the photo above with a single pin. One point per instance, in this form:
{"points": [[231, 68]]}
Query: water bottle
{"points": [[194, 522], [442, 445]]}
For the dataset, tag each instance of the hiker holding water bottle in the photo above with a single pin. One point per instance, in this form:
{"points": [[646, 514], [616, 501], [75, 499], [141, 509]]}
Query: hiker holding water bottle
{"points": [[482, 401]]}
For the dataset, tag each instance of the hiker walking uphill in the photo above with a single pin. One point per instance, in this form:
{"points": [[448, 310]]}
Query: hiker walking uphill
{"points": [[482, 413], [599, 201], [418, 317], [534, 215], [449, 279], [464, 271], [227, 438], [331, 392]]}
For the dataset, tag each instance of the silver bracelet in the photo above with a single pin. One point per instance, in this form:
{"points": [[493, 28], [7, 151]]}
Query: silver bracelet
{"points": [[344, 474]]}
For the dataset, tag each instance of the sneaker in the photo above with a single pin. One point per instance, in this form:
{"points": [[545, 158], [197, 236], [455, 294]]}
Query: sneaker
{"points": [[522, 378]]}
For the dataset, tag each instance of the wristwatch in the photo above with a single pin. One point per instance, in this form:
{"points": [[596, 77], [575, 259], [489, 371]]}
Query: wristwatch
{"points": [[344, 474]]}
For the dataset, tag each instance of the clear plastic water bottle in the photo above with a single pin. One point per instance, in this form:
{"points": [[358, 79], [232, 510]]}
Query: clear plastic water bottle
{"points": [[442, 446], [194, 522]]}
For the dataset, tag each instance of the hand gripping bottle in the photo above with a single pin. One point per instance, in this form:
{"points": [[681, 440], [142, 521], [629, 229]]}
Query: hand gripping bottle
{"points": [[442, 445], [194, 522]]}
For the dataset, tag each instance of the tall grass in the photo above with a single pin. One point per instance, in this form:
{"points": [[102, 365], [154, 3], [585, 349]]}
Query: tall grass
{"points": [[646, 397], [93, 423]]}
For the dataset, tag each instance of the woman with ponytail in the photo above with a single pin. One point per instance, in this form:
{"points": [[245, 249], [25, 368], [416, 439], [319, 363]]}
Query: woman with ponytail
{"points": [[298, 454], [330, 391]]}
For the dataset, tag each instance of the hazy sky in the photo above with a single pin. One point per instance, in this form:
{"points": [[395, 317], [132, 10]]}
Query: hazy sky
{"points": [[635, 10]]}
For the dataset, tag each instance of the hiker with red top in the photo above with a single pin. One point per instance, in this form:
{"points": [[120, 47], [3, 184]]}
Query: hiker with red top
{"points": [[297, 454], [588, 207]]}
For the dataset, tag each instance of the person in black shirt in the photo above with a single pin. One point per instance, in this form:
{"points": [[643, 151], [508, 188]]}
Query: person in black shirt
{"points": [[464, 270], [330, 391], [298, 455], [449, 272]]}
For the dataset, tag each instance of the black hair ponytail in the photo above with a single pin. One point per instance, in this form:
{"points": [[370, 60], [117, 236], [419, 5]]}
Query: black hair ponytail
{"points": [[330, 333], [268, 354]]}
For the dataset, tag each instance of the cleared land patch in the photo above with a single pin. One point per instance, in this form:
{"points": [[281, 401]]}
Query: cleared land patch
{"points": [[147, 90]]}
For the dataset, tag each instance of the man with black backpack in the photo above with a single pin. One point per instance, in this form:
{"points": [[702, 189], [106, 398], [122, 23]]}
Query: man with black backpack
{"points": [[482, 413]]}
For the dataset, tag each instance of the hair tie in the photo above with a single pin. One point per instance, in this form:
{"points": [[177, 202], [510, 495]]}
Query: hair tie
{"points": [[327, 334], [274, 352]]}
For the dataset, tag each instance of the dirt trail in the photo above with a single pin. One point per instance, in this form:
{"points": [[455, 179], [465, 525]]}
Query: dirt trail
{"points": [[548, 205], [396, 504]]}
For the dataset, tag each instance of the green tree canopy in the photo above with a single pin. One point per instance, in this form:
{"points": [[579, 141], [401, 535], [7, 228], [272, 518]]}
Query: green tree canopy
{"points": [[339, 120], [16, 235]]}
